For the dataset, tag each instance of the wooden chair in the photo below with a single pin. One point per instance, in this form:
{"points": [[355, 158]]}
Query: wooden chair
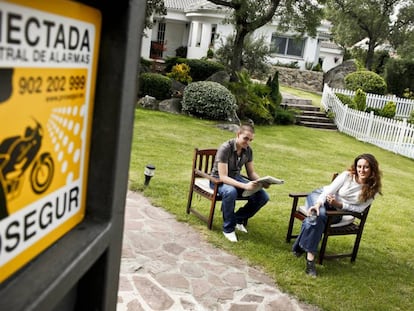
{"points": [[351, 223], [203, 161]]}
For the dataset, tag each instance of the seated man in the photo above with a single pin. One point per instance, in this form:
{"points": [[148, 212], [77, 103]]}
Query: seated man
{"points": [[230, 158]]}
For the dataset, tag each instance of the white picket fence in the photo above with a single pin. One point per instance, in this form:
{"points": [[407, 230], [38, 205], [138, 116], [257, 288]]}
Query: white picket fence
{"points": [[404, 106], [393, 135]]}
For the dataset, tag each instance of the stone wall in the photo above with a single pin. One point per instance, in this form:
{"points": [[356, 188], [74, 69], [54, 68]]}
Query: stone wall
{"points": [[301, 79]]}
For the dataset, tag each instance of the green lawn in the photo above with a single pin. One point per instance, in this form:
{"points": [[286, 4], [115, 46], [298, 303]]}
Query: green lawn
{"points": [[382, 278]]}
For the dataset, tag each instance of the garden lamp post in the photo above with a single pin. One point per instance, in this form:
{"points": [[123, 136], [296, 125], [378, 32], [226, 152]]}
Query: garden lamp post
{"points": [[149, 172]]}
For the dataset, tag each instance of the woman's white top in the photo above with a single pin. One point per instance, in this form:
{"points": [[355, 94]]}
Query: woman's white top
{"points": [[347, 191]]}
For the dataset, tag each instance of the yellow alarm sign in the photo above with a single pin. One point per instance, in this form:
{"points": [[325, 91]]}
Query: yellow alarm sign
{"points": [[48, 59]]}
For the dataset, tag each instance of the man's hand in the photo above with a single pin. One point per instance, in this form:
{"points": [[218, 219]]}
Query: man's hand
{"points": [[251, 185], [265, 185]]}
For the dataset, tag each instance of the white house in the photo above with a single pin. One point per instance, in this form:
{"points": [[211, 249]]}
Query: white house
{"points": [[198, 25]]}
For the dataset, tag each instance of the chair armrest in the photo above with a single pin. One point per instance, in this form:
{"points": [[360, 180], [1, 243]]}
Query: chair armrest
{"points": [[342, 213], [295, 202], [298, 194], [199, 173]]}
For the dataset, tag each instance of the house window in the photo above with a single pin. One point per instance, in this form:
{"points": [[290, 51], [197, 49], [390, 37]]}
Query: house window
{"points": [[213, 34], [287, 46], [199, 33], [161, 32], [158, 46]]}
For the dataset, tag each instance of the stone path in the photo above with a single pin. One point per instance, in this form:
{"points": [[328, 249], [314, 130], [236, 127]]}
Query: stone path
{"points": [[167, 265]]}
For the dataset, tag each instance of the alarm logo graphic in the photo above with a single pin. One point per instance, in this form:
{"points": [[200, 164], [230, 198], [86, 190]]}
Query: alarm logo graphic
{"points": [[17, 155]]}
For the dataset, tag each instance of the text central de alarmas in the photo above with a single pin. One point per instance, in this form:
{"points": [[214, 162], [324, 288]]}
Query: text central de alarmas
{"points": [[35, 32]]}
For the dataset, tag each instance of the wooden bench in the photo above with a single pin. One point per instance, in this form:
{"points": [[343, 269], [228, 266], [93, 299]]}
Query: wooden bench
{"points": [[203, 161]]}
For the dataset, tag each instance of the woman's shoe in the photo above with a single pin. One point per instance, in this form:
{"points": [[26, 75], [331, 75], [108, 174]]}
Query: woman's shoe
{"points": [[310, 267]]}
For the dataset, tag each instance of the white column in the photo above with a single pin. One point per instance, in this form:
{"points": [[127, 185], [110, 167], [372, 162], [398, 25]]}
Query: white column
{"points": [[193, 34], [146, 44]]}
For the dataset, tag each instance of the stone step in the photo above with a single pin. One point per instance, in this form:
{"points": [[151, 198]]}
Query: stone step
{"points": [[303, 107], [312, 116], [296, 101], [325, 126], [303, 118], [316, 113]]}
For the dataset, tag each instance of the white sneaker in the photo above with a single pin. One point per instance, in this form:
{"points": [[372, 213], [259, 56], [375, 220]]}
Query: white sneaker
{"points": [[231, 236], [241, 228]]}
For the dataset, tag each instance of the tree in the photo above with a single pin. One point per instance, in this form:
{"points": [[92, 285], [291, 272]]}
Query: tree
{"points": [[254, 55], [154, 7], [249, 15], [402, 32], [354, 20]]}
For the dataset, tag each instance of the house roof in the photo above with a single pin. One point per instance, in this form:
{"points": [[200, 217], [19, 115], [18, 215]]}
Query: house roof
{"points": [[179, 4], [329, 45], [363, 44], [204, 4], [189, 4]]}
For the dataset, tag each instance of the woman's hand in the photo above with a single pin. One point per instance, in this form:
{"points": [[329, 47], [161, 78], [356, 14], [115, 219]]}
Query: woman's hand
{"points": [[331, 199], [314, 208]]}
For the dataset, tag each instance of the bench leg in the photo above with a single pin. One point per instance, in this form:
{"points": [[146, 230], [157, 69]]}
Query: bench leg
{"points": [[211, 215], [291, 220], [356, 247], [190, 200]]}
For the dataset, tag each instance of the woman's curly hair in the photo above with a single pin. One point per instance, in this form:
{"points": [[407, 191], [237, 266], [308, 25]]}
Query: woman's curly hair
{"points": [[373, 184]]}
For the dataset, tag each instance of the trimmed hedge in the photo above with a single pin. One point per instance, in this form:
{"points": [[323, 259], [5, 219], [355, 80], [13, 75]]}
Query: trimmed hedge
{"points": [[200, 69], [156, 85], [208, 100]]}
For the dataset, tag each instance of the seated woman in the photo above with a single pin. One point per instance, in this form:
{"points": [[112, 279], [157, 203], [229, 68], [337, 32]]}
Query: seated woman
{"points": [[352, 190]]}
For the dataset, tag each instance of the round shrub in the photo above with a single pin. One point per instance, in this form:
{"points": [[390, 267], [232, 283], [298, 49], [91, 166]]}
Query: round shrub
{"points": [[156, 85], [180, 73], [368, 81], [208, 100], [389, 110]]}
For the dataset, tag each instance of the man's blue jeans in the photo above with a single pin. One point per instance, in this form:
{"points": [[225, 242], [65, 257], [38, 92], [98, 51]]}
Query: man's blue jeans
{"points": [[229, 195]]}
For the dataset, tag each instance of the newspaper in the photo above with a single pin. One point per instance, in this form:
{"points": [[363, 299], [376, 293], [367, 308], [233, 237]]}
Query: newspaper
{"points": [[270, 180]]}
